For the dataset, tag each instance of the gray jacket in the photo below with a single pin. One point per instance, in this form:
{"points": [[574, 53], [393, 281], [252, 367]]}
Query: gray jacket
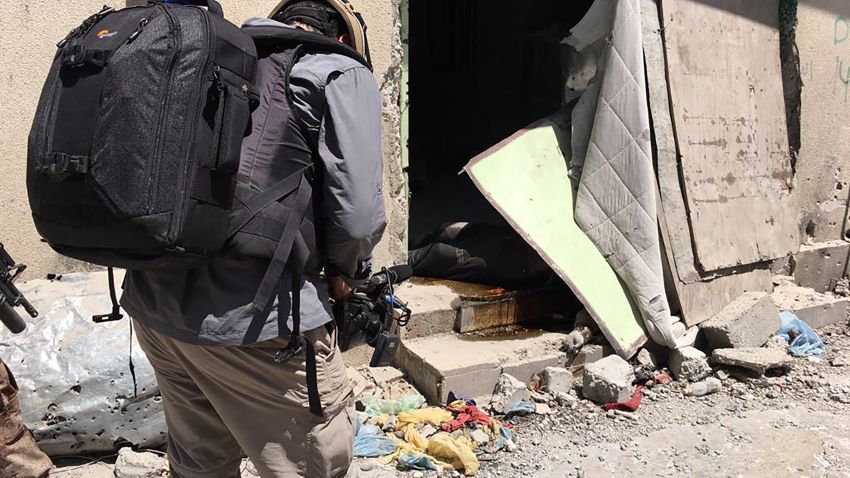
{"points": [[339, 102]]}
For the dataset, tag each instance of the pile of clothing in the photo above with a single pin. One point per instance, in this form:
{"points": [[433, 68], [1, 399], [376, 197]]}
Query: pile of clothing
{"points": [[415, 437]]}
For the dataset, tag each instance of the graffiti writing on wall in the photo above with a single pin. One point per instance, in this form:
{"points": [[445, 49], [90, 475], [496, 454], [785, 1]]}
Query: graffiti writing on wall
{"points": [[841, 35]]}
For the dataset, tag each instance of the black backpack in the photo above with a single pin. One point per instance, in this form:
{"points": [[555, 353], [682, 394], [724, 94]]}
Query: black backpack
{"points": [[136, 140]]}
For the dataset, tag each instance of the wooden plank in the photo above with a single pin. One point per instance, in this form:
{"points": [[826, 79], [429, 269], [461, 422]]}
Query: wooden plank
{"points": [[699, 301], [667, 155], [525, 177], [729, 115]]}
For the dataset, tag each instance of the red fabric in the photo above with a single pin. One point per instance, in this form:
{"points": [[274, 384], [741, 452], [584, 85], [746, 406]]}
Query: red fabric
{"points": [[629, 406], [464, 415]]}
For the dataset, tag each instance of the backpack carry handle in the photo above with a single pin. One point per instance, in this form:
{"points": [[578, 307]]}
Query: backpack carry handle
{"points": [[212, 5]]}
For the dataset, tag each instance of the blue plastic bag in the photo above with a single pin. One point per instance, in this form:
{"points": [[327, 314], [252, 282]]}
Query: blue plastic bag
{"points": [[413, 461], [370, 442], [506, 435], [804, 341], [521, 408]]}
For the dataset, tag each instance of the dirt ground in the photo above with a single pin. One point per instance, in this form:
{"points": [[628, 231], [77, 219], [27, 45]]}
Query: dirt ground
{"points": [[797, 424]]}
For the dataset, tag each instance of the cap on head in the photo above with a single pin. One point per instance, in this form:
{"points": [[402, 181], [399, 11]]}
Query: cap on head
{"points": [[319, 14]]}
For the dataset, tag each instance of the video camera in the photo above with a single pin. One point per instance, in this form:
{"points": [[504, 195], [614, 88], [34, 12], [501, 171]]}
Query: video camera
{"points": [[369, 312], [10, 296]]}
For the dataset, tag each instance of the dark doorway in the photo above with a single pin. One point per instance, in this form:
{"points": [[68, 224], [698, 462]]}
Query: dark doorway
{"points": [[479, 70]]}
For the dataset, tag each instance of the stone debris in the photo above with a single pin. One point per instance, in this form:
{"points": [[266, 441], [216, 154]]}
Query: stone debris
{"points": [[689, 363], [385, 375], [608, 380], [542, 409], [839, 362], [509, 390], [749, 321], [140, 465], [557, 380], [816, 309], [480, 437], [756, 359], [647, 360], [705, 387]]}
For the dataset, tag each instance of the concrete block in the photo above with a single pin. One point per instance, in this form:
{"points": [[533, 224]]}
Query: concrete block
{"points": [[819, 266], [434, 307], [688, 363], [816, 309], [509, 390], [747, 322], [524, 369], [757, 359], [608, 380], [471, 366], [557, 380]]}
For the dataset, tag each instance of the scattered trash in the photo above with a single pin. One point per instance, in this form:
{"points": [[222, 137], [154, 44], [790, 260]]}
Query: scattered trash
{"points": [[521, 408], [416, 461], [705, 387], [371, 442], [431, 415], [804, 341], [375, 407], [663, 378], [466, 414]]}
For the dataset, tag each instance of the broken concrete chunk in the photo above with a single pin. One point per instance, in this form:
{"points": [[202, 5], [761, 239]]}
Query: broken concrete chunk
{"points": [[385, 375], [747, 322], [705, 387], [689, 363], [480, 437], [818, 265], [647, 360], [757, 359], [542, 409], [816, 309], [509, 391], [557, 380], [608, 380], [139, 465]]}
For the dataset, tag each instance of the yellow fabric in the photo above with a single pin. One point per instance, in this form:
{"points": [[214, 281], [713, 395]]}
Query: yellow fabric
{"points": [[456, 452], [412, 436], [433, 416]]}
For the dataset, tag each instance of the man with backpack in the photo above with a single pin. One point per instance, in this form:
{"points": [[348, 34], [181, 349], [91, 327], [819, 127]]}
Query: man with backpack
{"points": [[234, 382]]}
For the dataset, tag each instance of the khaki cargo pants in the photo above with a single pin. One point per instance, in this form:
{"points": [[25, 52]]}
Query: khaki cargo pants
{"points": [[222, 403], [19, 455]]}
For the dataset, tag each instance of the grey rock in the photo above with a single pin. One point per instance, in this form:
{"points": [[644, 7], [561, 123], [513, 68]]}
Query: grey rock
{"points": [[139, 465], [608, 380], [749, 321], [557, 380], [757, 359], [647, 360], [689, 363], [480, 437], [509, 390]]}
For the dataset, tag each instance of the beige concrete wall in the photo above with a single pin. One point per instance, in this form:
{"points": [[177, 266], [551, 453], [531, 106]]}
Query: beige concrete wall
{"points": [[823, 167], [29, 30]]}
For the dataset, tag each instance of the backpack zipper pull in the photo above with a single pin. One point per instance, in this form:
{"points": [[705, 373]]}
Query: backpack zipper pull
{"points": [[138, 31]]}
